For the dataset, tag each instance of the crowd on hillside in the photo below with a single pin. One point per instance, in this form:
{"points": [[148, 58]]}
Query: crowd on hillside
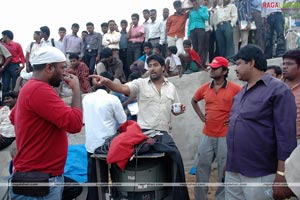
{"points": [[214, 28], [250, 131]]}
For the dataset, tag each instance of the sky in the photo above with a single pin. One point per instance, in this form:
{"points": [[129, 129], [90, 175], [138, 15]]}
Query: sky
{"points": [[25, 17]]}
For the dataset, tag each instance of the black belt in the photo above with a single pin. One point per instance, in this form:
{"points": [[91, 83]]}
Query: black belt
{"points": [[52, 176], [157, 38], [224, 22]]}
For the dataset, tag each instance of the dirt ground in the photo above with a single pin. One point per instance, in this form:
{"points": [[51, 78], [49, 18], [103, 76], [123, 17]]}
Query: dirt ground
{"points": [[191, 179]]}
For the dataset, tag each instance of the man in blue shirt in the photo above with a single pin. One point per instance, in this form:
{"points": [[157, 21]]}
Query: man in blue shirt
{"points": [[261, 131], [196, 28]]}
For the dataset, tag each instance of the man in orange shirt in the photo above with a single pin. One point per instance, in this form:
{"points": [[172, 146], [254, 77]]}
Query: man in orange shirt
{"points": [[291, 76], [218, 96], [175, 26]]}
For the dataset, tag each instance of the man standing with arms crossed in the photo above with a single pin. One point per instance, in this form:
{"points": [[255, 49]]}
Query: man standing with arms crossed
{"points": [[218, 95], [41, 121]]}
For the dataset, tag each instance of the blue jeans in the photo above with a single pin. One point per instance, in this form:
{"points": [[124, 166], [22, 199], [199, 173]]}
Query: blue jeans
{"points": [[276, 23], [54, 194], [9, 77], [224, 36], [90, 60]]}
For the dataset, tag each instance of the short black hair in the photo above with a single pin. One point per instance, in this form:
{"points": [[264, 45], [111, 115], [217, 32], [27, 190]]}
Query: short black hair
{"points": [[123, 21], [62, 29], [187, 42], [37, 32], [153, 10], [73, 56], [90, 24], [84, 32], [45, 29], [104, 24], [11, 94], [9, 34], [225, 69], [177, 3], [252, 52], [133, 76], [147, 11], [111, 21], [135, 15], [276, 68], [107, 75], [158, 46], [172, 49], [106, 52], [75, 25], [147, 44], [292, 54], [158, 58]]}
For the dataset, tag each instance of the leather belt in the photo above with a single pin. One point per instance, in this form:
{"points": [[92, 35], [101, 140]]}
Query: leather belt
{"points": [[157, 38], [224, 22]]}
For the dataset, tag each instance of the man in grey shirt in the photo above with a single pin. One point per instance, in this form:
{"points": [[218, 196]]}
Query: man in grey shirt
{"points": [[93, 47]]}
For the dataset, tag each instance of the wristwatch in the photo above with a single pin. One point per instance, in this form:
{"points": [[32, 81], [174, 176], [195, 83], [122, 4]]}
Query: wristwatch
{"points": [[280, 173]]}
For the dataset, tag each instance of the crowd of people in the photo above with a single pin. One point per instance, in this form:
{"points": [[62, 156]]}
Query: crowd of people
{"points": [[250, 131], [211, 28]]}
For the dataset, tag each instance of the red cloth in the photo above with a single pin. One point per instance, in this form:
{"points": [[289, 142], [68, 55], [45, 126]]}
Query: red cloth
{"points": [[195, 57], [122, 146], [41, 120]]}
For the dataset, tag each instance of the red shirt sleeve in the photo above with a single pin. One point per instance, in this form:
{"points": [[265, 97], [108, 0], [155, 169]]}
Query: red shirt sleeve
{"points": [[195, 57], [199, 94]]}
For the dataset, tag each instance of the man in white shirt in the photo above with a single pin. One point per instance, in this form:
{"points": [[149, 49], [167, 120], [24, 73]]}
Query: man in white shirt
{"points": [[155, 95], [112, 38], [102, 113], [224, 19], [7, 130], [156, 30], [46, 41]]}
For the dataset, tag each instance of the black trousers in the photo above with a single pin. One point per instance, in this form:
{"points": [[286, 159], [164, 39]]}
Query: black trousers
{"points": [[71, 192], [92, 177], [198, 42]]}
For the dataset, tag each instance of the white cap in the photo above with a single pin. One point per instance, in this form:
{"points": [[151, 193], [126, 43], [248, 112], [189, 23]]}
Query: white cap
{"points": [[47, 54]]}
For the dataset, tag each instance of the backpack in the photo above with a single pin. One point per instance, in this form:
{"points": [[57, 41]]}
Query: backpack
{"points": [[31, 45], [52, 42]]}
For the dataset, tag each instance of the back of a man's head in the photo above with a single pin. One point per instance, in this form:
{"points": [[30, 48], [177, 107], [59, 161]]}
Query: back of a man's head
{"points": [[108, 76], [46, 30], [252, 52]]}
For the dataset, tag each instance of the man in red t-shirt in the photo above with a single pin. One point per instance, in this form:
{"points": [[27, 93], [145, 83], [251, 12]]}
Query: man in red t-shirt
{"points": [[41, 120], [218, 96]]}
